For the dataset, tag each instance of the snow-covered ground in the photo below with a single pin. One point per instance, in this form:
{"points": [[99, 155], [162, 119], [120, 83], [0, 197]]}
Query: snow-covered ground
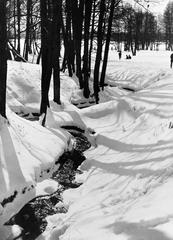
{"points": [[127, 189]]}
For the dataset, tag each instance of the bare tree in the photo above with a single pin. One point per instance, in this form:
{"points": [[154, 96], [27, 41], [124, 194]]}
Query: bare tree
{"points": [[86, 70], [50, 46], [99, 50], [92, 33], [56, 26], [3, 59], [18, 24], [28, 30], [108, 37], [77, 21], [46, 58]]}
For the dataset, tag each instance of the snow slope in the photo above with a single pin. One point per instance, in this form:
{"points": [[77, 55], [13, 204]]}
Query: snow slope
{"points": [[24, 84], [127, 189], [28, 152]]}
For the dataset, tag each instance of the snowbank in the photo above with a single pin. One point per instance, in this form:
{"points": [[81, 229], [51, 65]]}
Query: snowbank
{"points": [[28, 154], [24, 87]]}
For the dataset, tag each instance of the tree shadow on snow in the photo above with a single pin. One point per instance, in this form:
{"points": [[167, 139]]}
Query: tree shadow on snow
{"points": [[10, 161], [136, 231], [116, 168], [138, 148]]}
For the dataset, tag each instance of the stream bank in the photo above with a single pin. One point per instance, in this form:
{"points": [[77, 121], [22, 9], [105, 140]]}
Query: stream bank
{"points": [[32, 217]]}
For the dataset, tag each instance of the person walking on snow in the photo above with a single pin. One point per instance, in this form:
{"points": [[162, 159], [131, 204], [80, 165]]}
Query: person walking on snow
{"points": [[171, 58], [119, 54]]}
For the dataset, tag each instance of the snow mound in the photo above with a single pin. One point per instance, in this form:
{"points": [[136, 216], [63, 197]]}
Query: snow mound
{"points": [[24, 87], [117, 112], [80, 101], [28, 154]]}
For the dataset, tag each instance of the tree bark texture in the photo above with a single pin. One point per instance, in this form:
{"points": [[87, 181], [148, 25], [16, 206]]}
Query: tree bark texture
{"points": [[99, 51], [3, 58], [108, 37], [86, 71]]}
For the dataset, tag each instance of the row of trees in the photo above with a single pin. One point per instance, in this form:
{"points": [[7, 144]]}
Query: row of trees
{"points": [[136, 28], [168, 25], [77, 25], [140, 29]]}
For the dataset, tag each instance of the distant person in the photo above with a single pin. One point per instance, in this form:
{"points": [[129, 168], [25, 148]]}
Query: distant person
{"points": [[128, 56], [171, 58], [120, 54]]}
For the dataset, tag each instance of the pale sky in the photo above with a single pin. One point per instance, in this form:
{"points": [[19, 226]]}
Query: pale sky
{"points": [[155, 6], [159, 6]]}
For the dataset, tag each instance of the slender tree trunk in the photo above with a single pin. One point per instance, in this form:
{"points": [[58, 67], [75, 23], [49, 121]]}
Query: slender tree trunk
{"points": [[102, 78], [46, 62], [57, 5], [3, 59], [28, 21], [92, 35], [99, 51], [18, 24], [77, 21], [50, 46], [14, 23], [88, 8], [68, 37], [66, 59]]}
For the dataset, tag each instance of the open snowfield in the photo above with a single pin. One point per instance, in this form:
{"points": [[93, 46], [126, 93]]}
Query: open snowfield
{"points": [[127, 189]]}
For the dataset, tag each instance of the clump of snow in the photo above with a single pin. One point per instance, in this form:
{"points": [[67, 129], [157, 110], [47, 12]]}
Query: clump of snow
{"points": [[46, 187]]}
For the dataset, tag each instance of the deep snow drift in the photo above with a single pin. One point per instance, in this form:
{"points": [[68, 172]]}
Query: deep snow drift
{"points": [[127, 189]]}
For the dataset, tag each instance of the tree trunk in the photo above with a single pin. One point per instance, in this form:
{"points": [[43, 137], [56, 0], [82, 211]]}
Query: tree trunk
{"points": [[99, 51], [27, 44], [14, 22], [88, 8], [66, 59], [102, 78], [68, 37], [46, 58], [18, 24], [57, 5], [3, 59], [77, 21], [92, 35]]}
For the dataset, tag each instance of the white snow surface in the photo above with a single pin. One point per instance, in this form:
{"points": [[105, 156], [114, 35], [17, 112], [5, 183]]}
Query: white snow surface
{"points": [[127, 189]]}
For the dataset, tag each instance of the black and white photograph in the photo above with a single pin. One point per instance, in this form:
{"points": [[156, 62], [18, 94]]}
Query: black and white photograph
{"points": [[86, 119]]}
